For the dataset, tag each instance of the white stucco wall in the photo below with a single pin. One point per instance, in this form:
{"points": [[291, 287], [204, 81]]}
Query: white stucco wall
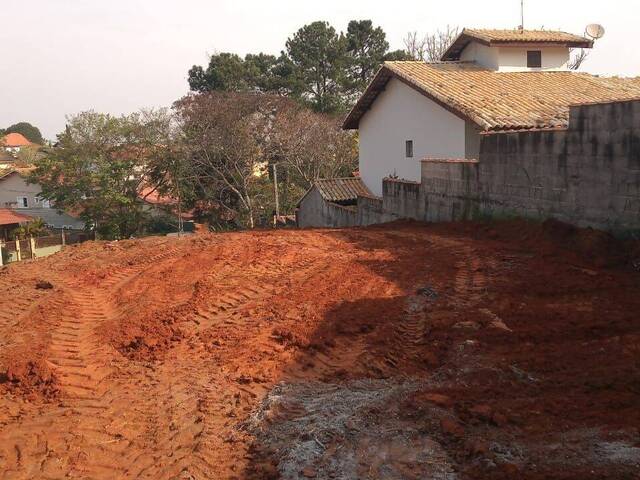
{"points": [[483, 55], [400, 113], [514, 59]]}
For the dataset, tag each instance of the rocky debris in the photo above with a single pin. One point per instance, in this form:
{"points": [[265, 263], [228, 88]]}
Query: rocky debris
{"points": [[353, 430], [43, 285]]}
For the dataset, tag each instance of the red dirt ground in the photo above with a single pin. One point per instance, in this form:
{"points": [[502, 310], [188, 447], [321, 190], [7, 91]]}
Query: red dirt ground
{"points": [[506, 350]]}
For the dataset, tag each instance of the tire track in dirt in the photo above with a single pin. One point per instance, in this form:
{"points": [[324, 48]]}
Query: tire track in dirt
{"points": [[90, 399], [194, 435]]}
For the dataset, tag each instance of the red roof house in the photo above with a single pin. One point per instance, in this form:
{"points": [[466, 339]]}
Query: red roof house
{"points": [[15, 140]]}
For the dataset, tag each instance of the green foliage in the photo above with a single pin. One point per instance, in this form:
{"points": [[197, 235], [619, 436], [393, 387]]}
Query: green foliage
{"points": [[318, 54], [397, 56], [228, 72], [100, 166], [320, 67], [30, 132], [161, 225], [35, 228], [366, 50], [225, 72]]}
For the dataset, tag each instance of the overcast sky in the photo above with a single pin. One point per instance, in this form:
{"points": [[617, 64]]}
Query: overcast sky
{"points": [[59, 57]]}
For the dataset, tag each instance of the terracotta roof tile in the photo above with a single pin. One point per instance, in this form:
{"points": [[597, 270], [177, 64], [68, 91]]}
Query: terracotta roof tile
{"points": [[527, 36], [15, 140], [9, 217], [341, 189], [499, 100], [514, 37]]}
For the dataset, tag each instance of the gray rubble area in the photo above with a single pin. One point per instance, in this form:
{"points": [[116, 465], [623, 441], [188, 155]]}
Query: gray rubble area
{"points": [[347, 431]]}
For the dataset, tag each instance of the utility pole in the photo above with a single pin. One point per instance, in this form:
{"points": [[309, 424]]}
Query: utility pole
{"points": [[275, 191]]}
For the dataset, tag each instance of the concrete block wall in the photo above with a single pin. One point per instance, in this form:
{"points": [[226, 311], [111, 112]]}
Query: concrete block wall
{"points": [[449, 189], [403, 198], [370, 211], [339, 216], [587, 174], [314, 211]]}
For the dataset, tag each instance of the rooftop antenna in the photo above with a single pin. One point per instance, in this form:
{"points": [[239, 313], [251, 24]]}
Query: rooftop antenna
{"points": [[594, 31], [521, 15]]}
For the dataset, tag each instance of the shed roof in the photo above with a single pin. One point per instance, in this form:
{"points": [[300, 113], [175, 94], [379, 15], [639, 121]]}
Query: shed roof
{"points": [[341, 189], [10, 217], [514, 38], [498, 100]]}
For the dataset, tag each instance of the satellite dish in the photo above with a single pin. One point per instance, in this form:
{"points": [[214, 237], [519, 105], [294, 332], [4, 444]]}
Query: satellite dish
{"points": [[595, 31]]}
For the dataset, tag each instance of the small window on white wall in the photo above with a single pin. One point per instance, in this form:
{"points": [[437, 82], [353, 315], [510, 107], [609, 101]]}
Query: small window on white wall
{"points": [[534, 59], [23, 202], [408, 147]]}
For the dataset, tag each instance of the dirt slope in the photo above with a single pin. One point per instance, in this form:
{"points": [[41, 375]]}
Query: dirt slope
{"points": [[404, 351]]}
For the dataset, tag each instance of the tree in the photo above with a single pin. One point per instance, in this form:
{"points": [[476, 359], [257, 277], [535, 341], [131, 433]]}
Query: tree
{"points": [[231, 139], [397, 56], [317, 53], [101, 165], [30, 132], [311, 145], [578, 57], [366, 49], [431, 47], [226, 71], [35, 228], [222, 133], [319, 67]]}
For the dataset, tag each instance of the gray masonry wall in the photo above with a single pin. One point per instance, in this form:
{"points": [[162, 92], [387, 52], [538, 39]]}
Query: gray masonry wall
{"points": [[314, 211], [587, 175]]}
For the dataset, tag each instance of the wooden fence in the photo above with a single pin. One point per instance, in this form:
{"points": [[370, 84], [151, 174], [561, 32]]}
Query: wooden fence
{"points": [[36, 247]]}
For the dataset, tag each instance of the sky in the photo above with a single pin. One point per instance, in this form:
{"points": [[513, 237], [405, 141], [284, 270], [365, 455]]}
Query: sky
{"points": [[61, 57]]}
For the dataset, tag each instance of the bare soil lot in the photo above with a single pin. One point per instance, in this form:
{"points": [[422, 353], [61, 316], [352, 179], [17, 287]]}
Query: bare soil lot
{"points": [[505, 350]]}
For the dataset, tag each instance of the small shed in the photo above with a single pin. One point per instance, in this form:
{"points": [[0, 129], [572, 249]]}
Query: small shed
{"points": [[331, 202]]}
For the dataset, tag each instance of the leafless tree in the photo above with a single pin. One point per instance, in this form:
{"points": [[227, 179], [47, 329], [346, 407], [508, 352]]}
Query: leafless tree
{"points": [[430, 47], [578, 56], [232, 137], [311, 145], [223, 151], [415, 46]]}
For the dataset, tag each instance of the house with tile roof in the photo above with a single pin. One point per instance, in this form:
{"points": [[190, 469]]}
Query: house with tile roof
{"points": [[13, 143], [9, 221], [488, 81], [24, 198]]}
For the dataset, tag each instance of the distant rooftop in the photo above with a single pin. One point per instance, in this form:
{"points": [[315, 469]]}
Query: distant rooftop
{"points": [[10, 217], [15, 140], [514, 38]]}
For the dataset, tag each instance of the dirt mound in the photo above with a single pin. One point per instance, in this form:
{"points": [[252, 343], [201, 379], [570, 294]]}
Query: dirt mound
{"points": [[499, 350], [32, 378]]}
